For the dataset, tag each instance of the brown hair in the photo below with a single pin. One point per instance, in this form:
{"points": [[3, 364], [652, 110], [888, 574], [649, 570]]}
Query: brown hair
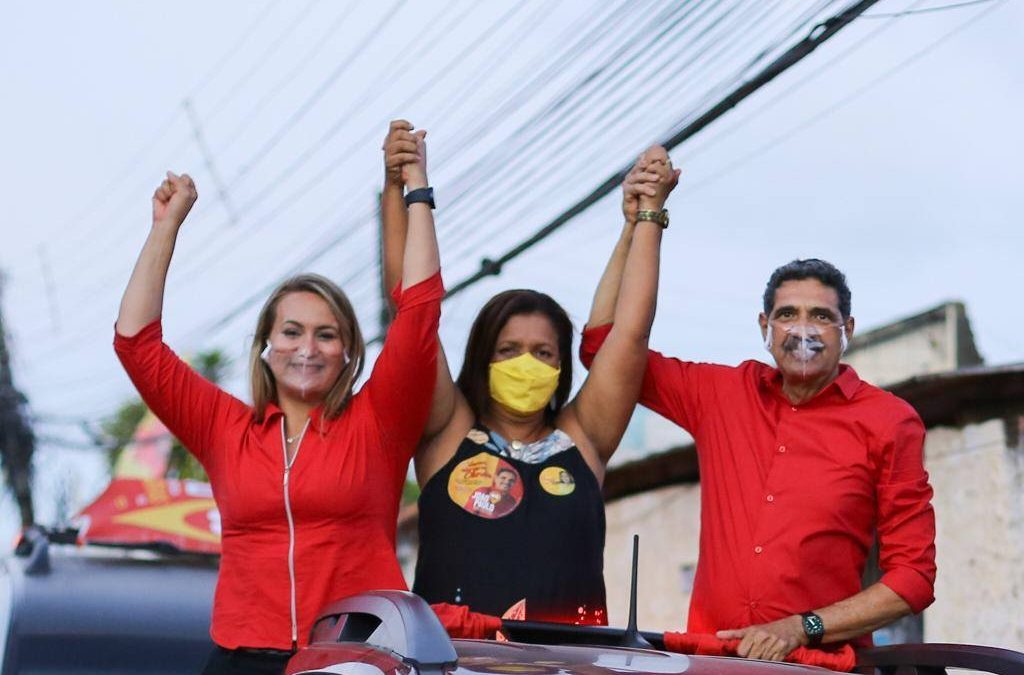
{"points": [[474, 378], [264, 387]]}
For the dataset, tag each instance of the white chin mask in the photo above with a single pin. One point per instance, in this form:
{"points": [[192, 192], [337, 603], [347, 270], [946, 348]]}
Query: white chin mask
{"points": [[268, 348], [809, 338]]}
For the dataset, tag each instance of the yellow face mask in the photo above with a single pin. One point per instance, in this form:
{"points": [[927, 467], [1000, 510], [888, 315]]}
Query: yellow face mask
{"points": [[524, 384]]}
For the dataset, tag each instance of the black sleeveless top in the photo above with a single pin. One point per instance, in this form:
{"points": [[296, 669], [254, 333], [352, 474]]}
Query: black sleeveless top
{"points": [[495, 530]]}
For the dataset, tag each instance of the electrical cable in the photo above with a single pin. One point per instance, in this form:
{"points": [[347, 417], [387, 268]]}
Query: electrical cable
{"points": [[254, 111], [216, 252], [612, 105], [792, 56], [371, 286], [311, 101], [258, 63], [926, 10], [810, 121]]}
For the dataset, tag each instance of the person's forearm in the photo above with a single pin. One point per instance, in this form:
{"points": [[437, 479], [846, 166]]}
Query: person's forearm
{"points": [[394, 223], [143, 298], [638, 294], [421, 260], [602, 310], [874, 607]]}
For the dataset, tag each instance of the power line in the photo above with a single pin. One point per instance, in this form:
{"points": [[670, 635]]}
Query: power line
{"points": [[322, 89], [818, 36], [211, 166], [257, 63], [253, 112], [753, 113], [346, 155], [315, 254], [651, 103], [926, 10], [243, 38], [834, 107], [119, 273], [252, 299], [102, 199], [615, 109]]}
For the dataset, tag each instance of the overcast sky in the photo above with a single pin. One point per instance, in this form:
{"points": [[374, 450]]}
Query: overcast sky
{"points": [[893, 151]]}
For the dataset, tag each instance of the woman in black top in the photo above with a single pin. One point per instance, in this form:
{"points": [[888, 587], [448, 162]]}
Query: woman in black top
{"points": [[511, 513]]}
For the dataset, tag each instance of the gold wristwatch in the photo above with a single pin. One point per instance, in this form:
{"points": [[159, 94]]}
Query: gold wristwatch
{"points": [[659, 217]]}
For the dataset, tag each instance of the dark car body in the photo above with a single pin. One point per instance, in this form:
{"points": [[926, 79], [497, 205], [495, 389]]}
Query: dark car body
{"points": [[69, 609], [396, 633]]}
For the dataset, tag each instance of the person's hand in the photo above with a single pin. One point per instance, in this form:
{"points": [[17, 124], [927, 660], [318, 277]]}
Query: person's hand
{"points": [[636, 180], [656, 161], [414, 173], [399, 149], [769, 641], [173, 200]]}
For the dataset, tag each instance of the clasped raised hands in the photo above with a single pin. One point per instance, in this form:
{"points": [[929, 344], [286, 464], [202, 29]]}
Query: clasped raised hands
{"points": [[649, 183], [173, 200], [405, 156]]}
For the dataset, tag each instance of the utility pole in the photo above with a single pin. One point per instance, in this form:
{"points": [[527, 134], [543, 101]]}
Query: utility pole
{"points": [[204, 150], [17, 442]]}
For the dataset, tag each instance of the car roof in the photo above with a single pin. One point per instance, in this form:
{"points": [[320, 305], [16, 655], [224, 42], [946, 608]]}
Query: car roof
{"points": [[391, 630], [486, 657]]}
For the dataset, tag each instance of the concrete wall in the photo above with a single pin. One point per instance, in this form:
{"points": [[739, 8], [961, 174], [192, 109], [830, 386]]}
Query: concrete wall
{"points": [[668, 522], [978, 476], [928, 349]]}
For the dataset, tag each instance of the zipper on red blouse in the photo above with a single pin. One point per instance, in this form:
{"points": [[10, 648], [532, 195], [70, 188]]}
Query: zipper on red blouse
{"points": [[291, 526]]}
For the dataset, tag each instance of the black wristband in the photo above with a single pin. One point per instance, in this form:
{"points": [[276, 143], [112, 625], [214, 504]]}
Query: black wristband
{"points": [[814, 628], [420, 196]]}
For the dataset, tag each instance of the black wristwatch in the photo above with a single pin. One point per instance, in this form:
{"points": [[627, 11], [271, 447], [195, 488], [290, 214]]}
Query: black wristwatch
{"points": [[421, 195], [814, 628]]}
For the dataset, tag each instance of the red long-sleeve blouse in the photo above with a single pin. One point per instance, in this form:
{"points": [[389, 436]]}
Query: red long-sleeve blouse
{"points": [[344, 485]]}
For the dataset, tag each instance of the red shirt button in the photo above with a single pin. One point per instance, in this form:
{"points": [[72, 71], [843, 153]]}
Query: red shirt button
{"points": [[770, 498], [782, 448], [758, 549]]}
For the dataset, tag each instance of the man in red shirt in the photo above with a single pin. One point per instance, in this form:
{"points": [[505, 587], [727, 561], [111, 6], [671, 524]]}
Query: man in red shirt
{"points": [[800, 466]]}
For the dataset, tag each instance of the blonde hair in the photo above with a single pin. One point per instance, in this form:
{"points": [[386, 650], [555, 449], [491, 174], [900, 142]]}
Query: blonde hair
{"points": [[262, 382]]}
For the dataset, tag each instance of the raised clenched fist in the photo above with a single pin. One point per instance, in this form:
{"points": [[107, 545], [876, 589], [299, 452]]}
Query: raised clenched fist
{"points": [[174, 199]]}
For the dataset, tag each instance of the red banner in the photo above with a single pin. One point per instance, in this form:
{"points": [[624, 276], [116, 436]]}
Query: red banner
{"points": [[179, 513]]}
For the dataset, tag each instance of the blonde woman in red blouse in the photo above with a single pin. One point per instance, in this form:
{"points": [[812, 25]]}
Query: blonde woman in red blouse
{"points": [[308, 477]]}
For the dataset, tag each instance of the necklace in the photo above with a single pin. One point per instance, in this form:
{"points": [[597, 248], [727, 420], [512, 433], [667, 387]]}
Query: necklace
{"points": [[292, 439]]}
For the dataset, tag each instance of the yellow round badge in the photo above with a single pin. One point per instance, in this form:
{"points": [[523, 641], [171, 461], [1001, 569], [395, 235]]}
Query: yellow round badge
{"points": [[557, 481], [486, 486]]}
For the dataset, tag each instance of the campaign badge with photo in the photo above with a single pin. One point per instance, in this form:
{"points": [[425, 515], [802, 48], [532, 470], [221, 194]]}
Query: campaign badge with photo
{"points": [[486, 486], [557, 481]]}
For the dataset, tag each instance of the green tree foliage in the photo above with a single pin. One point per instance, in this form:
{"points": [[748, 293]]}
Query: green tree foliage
{"points": [[119, 427], [410, 492]]}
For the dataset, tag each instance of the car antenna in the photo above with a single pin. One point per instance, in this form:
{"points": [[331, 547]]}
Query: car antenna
{"points": [[632, 637]]}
